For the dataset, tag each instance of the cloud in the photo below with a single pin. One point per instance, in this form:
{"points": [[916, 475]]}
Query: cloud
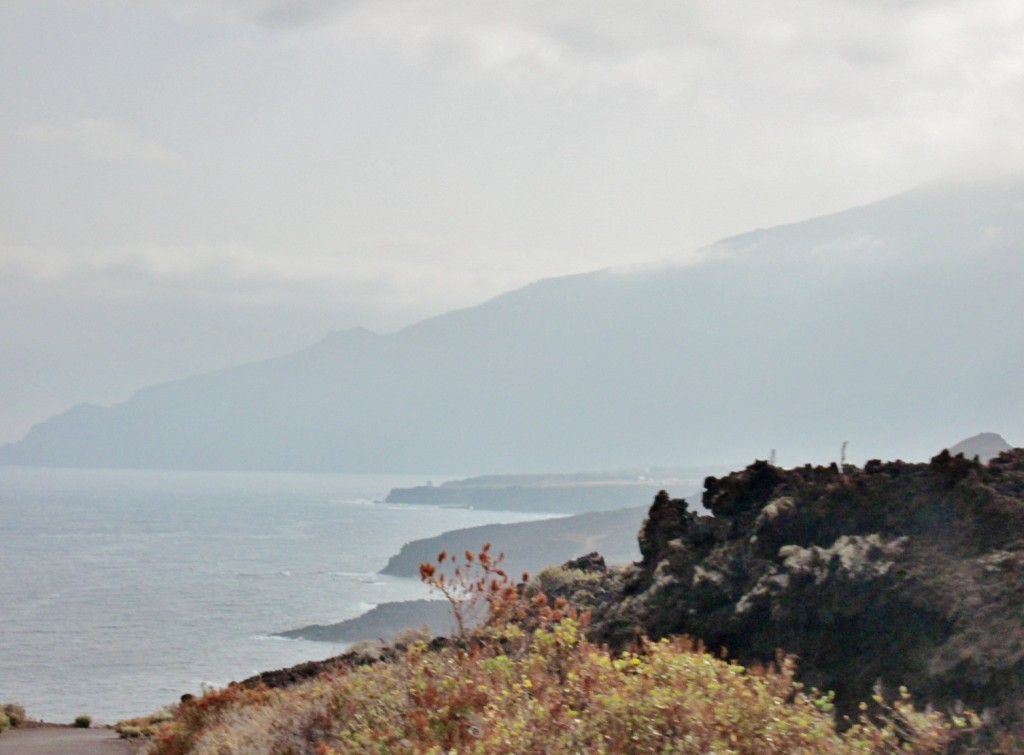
{"points": [[281, 14], [394, 282], [719, 59], [782, 68], [925, 90], [290, 13], [100, 140], [608, 127], [849, 53]]}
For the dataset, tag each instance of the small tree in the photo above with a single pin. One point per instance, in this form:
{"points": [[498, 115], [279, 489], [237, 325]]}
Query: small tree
{"points": [[479, 590], [482, 595]]}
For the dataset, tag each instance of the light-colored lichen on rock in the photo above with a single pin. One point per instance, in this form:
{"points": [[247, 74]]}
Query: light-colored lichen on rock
{"points": [[1002, 561], [857, 557], [768, 585], [704, 576], [774, 510]]}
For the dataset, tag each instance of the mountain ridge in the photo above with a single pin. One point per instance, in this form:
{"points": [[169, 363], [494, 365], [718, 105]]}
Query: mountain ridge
{"points": [[878, 325]]}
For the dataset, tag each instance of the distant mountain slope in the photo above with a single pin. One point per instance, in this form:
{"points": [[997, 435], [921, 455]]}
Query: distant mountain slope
{"points": [[888, 326], [986, 446]]}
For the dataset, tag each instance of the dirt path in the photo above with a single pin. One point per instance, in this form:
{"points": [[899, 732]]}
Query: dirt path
{"points": [[62, 741]]}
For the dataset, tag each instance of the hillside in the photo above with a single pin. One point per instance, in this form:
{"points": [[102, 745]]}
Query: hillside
{"points": [[880, 325], [530, 546]]}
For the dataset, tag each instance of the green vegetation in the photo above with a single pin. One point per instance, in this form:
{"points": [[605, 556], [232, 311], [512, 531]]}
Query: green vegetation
{"points": [[560, 695], [526, 680], [12, 715], [144, 726], [83, 721], [15, 714], [555, 579]]}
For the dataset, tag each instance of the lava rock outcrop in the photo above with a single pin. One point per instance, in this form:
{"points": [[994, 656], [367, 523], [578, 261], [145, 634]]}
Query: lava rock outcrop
{"points": [[891, 574]]}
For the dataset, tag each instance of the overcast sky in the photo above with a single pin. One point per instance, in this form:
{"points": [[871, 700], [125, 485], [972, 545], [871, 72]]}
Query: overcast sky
{"points": [[278, 169]]}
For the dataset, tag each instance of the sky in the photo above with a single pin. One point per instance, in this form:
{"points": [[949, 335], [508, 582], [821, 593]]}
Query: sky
{"points": [[190, 184]]}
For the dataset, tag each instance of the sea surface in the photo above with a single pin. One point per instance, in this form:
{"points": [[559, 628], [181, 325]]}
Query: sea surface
{"points": [[120, 590]]}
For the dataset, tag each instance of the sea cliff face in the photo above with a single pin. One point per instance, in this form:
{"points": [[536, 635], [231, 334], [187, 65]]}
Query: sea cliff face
{"points": [[894, 574]]}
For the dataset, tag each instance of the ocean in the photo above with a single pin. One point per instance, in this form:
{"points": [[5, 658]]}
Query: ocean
{"points": [[120, 590]]}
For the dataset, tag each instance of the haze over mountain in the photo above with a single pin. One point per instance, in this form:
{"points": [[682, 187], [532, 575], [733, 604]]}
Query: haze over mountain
{"points": [[891, 326]]}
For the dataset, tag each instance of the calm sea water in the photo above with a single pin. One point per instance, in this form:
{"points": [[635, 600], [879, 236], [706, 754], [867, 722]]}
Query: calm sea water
{"points": [[122, 590]]}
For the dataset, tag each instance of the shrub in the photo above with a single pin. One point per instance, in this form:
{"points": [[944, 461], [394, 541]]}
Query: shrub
{"points": [[478, 589], [368, 649], [554, 579], [562, 694], [15, 713], [5, 722], [83, 721], [144, 726], [196, 714], [412, 635]]}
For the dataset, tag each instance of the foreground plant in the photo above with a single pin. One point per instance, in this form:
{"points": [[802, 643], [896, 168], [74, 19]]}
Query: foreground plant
{"points": [[12, 715], [526, 680], [561, 695], [146, 726], [479, 591]]}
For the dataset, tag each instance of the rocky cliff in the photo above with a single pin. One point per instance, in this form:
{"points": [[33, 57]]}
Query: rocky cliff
{"points": [[893, 574]]}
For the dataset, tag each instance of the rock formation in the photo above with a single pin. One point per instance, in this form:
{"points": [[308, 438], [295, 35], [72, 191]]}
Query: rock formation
{"points": [[894, 574]]}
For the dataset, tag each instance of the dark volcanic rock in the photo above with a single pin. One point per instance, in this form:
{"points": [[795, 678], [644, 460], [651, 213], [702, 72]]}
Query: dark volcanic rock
{"points": [[592, 562], [736, 494], [899, 574], [667, 518]]}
